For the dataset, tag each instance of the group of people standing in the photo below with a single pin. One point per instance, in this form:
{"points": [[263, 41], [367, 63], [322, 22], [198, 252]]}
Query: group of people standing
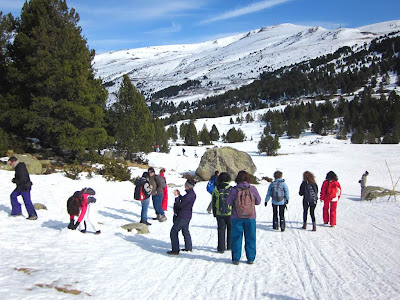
{"points": [[232, 226]]}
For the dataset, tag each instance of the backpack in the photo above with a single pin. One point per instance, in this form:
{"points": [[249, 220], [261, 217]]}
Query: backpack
{"points": [[309, 194], [331, 190], [211, 185], [139, 193], [74, 203], [245, 203], [277, 192], [221, 203]]}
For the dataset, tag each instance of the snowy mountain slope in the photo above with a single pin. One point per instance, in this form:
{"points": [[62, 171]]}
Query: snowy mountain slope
{"points": [[358, 259], [228, 63]]}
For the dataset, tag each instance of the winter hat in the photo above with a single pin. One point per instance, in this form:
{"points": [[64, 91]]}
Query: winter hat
{"points": [[190, 183]]}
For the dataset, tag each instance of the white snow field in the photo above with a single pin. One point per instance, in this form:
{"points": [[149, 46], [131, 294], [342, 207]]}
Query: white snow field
{"points": [[359, 259]]}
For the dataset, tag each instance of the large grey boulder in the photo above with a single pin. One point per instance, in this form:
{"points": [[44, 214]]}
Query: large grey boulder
{"points": [[33, 165], [225, 159]]}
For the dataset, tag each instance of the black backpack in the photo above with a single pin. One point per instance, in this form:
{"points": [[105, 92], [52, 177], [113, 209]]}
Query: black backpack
{"points": [[140, 194], [223, 209], [74, 203], [310, 195]]}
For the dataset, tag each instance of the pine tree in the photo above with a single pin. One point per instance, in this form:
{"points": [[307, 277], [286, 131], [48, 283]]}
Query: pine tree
{"points": [[57, 98], [134, 128], [161, 136], [204, 136], [191, 137], [269, 145], [214, 133]]}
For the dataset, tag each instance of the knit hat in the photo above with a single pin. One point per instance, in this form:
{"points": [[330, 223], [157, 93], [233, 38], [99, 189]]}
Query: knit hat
{"points": [[190, 183]]}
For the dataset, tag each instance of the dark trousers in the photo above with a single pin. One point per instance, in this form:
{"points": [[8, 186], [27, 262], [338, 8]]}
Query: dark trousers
{"points": [[224, 225], [180, 224], [307, 205], [16, 206], [281, 209]]}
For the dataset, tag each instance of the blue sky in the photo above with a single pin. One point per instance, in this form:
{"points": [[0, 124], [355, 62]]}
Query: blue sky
{"points": [[122, 24]]}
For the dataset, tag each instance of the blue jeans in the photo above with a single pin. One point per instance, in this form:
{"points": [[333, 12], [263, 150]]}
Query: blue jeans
{"points": [[248, 227], [16, 206], [180, 224], [157, 199], [145, 207]]}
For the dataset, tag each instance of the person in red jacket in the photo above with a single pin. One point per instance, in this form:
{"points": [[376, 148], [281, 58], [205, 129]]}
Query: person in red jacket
{"points": [[164, 202], [85, 214], [330, 195]]}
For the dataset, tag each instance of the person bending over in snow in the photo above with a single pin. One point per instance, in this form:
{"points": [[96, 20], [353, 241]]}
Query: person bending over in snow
{"points": [[85, 212]]}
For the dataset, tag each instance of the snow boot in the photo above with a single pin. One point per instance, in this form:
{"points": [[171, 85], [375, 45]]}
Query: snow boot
{"points": [[314, 227], [283, 226], [304, 225]]}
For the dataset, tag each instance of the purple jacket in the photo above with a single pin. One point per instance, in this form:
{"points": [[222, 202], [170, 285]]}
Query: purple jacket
{"points": [[184, 204], [233, 194]]}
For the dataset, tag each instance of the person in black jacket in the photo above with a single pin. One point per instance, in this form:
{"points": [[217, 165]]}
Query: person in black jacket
{"points": [[24, 184], [309, 191]]}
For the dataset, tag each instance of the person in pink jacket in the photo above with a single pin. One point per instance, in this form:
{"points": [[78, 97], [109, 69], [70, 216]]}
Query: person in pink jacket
{"points": [[330, 195], [85, 212], [164, 202]]}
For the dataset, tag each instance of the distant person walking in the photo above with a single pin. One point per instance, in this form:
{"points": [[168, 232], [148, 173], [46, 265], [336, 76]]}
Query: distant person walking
{"points": [[158, 185], [243, 198], [183, 151], [183, 207], [330, 195], [222, 211], [279, 192], [363, 183], [24, 185], [164, 202], [309, 191]]}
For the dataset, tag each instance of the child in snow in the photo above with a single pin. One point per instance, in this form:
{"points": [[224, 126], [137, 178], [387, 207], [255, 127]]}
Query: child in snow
{"points": [[182, 215], [309, 191], [279, 192], [85, 213], [330, 195]]}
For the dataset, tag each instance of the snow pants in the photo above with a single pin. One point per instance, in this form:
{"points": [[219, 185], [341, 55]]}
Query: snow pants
{"points": [[224, 226], [248, 227], [180, 224], [16, 206], [329, 212]]}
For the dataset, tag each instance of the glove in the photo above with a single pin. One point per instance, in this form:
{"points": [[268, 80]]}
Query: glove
{"points": [[76, 225], [265, 204], [71, 224], [287, 201], [13, 180], [91, 200]]}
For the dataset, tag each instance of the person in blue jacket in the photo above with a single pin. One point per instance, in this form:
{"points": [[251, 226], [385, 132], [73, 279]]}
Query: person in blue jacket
{"points": [[279, 192], [182, 215]]}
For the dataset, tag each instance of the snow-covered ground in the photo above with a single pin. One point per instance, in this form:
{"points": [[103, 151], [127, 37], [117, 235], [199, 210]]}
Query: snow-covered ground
{"points": [[359, 259]]}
